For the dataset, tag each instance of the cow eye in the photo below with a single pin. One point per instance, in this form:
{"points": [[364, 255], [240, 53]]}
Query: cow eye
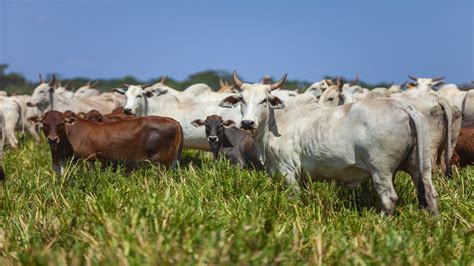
{"points": [[264, 101], [139, 96], [331, 99], [41, 92]]}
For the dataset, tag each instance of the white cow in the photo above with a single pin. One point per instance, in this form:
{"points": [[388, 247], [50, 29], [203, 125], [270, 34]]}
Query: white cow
{"points": [[142, 102], [344, 143], [45, 98], [443, 118], [13, 117], [464, 100], [426, 84], [87, 91], [26, 112]]}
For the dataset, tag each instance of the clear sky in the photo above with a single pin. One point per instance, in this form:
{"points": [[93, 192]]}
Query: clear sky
{"points": [[381, 40]]}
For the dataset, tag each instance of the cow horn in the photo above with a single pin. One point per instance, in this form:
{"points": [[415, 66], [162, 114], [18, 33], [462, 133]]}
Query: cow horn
{"points": [[329, 82], [163, 79], [339, 83], [438, 78], [354, 82], [221, 82], [88, 83], [94, 84], [126, 85], [279, 83], [237, 82], [53, 81], [413, 77], [41, 78], [403, 84], [144, 85]]}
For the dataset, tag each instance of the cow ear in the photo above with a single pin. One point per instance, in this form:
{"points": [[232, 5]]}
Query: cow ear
{"points": [[230, 101], [148, 94], [411, 85], [160, 91], [120, 90], [229, 123], [71, 120], [81, 115], [198, 122], [35, 119], [275, 102]]}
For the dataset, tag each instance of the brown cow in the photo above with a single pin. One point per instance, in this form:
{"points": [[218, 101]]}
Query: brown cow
{"points": [[152, 138], [464, 152]]}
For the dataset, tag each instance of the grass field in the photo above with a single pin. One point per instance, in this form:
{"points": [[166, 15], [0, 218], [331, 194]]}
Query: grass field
{"points": [[210, 212]]}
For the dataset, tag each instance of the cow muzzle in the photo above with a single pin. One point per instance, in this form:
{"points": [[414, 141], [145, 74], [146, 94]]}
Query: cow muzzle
{"points": [[213, 138], [127, 111], [247, 124], [53, 140]]}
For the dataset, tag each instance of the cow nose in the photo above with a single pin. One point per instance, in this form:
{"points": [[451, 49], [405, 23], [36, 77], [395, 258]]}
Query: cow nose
{"points": [[53, 140], [127, 111], [212, 138], [247, 124]]}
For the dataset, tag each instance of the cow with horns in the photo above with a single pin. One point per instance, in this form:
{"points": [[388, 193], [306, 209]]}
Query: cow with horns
{"points": [[344, 143]]}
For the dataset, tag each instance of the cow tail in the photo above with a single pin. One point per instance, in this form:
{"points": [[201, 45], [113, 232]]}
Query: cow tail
{"points": [[22, 120], [176, 161], [423, 150], [448, 115]]}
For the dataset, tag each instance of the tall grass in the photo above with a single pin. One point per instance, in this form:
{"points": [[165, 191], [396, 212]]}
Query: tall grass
{"points": [[212, 212]]}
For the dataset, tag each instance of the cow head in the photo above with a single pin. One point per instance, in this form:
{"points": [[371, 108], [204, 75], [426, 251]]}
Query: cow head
{"points": [[319, 87], [93, 115], [136, 99], [54, 125], [255, 101], [333, 96], [214, 129], [426, 84], [87, 90], [42, 94]]}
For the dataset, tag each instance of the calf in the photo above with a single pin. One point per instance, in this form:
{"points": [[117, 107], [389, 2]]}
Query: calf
{"points": [[153, 138], [464, 152], [236, 145], [94, 115]]}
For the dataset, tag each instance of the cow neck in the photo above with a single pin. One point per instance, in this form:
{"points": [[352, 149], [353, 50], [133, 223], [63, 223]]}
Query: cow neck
{"points": [[145, 107], [60, 153], [51, 99], [264, 130]]}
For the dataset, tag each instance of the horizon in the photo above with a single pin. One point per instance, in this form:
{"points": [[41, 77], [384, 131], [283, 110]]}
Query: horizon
{"points": [[383, 42]]}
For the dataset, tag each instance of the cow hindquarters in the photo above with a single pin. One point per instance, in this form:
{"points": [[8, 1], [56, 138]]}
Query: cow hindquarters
{"points": [[421, 174]]}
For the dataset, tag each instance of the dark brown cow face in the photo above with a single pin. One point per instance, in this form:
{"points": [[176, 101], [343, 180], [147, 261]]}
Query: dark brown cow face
{"points": [[53, 125], [214, 129]]}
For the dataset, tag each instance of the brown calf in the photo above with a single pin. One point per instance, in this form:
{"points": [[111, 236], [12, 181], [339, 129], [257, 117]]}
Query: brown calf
{"points": [[464, 152], [152, 138], [94, 115]]}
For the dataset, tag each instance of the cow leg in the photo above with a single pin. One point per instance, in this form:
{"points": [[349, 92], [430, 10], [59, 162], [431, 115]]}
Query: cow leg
{"points": [[426, 193], [32, 130], [383, 183], [10, 136]]}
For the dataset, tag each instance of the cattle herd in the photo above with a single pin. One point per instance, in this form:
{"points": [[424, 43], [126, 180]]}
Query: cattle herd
{"points": [[332, 131]]}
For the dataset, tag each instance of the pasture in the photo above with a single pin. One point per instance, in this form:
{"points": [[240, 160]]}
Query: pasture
{"points": [[212, 212]]}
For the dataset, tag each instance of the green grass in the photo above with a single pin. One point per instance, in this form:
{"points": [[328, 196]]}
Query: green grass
{"points": [[209, 212]]}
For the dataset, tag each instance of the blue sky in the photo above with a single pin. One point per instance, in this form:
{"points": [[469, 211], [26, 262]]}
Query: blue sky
{"points": [[381, 40]]}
